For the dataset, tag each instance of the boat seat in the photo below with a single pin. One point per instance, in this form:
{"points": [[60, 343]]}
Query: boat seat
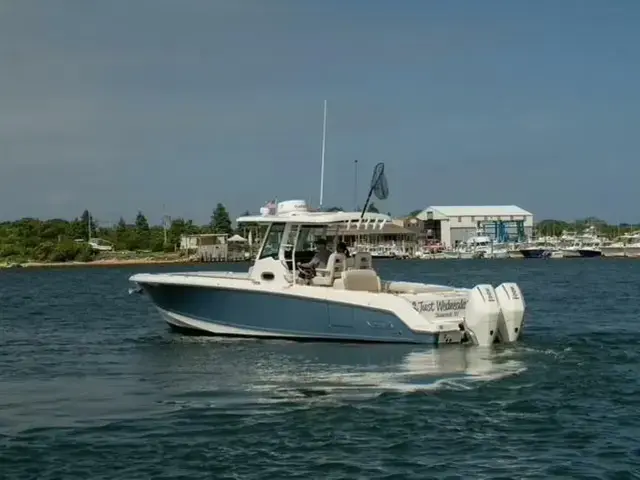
{"points": [[362, 261], [410, 287], [335, 266], [360, 280]]}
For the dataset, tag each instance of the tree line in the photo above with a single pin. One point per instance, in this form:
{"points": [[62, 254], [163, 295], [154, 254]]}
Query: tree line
{"points": [[554, 228], [59, 240]]}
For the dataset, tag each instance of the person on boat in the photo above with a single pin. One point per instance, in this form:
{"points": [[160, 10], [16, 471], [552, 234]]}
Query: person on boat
{"points": [[342, 248], [320, 259]]}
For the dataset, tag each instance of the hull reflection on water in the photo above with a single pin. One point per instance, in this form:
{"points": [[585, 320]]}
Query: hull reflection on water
{"points": [[289, 370], [236, 375]]}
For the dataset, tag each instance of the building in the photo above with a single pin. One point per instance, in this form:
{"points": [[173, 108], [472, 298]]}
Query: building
{"points": [[389, 234], [452, 225], [212, 247]]}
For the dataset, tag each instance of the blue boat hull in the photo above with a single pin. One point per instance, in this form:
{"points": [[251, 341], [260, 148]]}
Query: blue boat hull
{"points": [[215, 311], [588, 253]]}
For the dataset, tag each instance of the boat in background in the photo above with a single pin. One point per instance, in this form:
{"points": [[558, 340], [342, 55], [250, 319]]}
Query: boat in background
{"points": [[589, 243], [540, 248], [627, 245]]}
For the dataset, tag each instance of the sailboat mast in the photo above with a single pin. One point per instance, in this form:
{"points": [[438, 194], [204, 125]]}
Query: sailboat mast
{"points": [[324, 139]]}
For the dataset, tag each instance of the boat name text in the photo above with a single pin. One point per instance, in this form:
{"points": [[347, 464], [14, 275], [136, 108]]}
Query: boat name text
{"points": [[440, 305]]}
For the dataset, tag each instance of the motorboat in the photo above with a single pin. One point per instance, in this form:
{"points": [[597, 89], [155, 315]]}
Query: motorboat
{"points": [[627, 245], [346, 301]]}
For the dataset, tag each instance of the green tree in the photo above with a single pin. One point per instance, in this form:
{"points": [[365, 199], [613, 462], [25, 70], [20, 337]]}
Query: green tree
{"points": [[143, 232], [220, 221], [549, 227], [79, 228], [121, 227], [176, 230], [121, 235], [372, 208]]}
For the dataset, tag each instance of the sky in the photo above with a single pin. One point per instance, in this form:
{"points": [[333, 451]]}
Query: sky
{"points": [[170, 107]]}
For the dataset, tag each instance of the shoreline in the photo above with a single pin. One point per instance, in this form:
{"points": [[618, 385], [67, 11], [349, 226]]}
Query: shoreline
{"points": [[114, 263], [104, 263]]}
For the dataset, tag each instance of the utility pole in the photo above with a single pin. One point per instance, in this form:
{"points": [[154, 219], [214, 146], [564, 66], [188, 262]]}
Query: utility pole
{"points": [[355, 185], [166, 222]]}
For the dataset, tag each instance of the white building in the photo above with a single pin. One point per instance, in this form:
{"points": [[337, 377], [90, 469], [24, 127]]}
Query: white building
{"points": [[451, 225]]}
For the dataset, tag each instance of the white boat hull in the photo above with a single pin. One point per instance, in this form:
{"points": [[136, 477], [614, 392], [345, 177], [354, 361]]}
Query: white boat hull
{"points": [[406, 313], [609, 251]]}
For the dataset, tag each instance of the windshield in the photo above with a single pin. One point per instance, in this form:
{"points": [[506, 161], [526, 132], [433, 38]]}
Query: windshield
{"points": [[272, 241], [307, 238]]}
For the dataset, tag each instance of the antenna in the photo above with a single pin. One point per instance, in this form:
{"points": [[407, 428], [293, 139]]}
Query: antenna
{"points": [[324, 139]]}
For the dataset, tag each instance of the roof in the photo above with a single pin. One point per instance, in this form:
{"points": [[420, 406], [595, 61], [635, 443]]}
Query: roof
{"points": [[475, 211], [387, 229], [203, 235], [319, 218]]}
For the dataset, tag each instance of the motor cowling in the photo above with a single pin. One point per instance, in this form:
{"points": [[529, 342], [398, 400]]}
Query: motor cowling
{"points": [[481, 315], [512, 309]]}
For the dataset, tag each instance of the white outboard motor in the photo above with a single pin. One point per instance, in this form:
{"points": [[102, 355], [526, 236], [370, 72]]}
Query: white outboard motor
{"points": [[512, 312], [481, 315]]}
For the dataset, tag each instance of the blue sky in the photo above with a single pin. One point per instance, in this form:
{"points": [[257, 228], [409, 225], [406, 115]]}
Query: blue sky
{"points": [[122, 105]]}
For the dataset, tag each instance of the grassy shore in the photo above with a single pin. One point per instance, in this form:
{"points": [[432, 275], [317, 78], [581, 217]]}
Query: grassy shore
{"points": [[107, 260]]}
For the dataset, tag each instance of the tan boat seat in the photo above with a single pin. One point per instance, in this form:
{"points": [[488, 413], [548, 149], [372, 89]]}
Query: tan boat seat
{"points": [[362, 261], [360, 280], [335, 267]]}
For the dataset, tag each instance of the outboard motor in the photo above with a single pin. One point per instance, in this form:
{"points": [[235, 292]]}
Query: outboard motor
{"points": [[511, 312], [481, 315]]}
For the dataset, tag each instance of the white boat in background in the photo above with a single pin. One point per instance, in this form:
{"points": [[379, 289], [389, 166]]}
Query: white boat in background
{"points": [[97, 244], [376, 251], [627, 245], [569, 244], [587, 244], [478, 246], [487, 248], [101, 245], [346, 301]]}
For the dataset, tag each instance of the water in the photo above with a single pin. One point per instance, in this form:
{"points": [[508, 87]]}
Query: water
{"points": [[94, 386]]}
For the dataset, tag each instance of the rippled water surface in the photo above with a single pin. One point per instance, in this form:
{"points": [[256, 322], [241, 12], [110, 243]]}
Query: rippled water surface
{"points": [[94, 386]]}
